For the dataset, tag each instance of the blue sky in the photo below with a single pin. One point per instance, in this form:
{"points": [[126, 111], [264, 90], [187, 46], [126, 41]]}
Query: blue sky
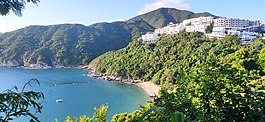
{"points": [[87, 12]]}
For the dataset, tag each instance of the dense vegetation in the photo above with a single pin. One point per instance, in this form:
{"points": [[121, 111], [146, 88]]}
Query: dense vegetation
{"points": [[206, 79], [15, 104], [67, 44], [51, 45], [99, 115], [164, 60], [161, 17]]}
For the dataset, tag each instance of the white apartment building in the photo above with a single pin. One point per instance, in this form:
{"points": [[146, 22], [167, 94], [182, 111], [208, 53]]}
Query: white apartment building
{"points": [[169, 29], [196, 28], [190, 25], [218, 35], [222, 26], [236, 24], [243, 35], [149, 38], [243, 28], [246, 37], [198, 21]]}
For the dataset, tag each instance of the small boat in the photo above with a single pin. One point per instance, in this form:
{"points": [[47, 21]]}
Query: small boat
{"points": [[59, 100]]}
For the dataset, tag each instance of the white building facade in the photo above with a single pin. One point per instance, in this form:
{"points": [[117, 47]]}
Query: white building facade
{"points": [[221, 26], [243, 28], [149, 38], [237, 24], [190, 25], [198, 21]]}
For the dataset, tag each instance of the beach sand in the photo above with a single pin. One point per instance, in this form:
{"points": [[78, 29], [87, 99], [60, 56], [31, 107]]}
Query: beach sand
{"points": [[150, 88]]}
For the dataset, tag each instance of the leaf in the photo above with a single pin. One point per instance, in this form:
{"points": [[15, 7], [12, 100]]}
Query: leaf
{"points": [[151, 110], [177, 117]]}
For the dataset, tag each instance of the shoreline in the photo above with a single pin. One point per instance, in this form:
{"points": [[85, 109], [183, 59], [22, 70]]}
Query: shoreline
{"points": [[46, 67], [150, 88]]}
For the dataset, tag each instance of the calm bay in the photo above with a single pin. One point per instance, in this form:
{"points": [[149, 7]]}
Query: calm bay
{"points": [[80, 93]]}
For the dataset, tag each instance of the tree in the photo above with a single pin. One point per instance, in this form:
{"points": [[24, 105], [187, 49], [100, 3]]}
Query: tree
{"points": [[136, 115], [216, 92], [100, 115], [261, 59], [14, 5], [209, 28], [175, 116], [15, 104]]}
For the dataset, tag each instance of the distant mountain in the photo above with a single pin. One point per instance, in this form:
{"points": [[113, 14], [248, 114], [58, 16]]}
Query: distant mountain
{"points": [[76, 44], [161, 17], [67, 44]]}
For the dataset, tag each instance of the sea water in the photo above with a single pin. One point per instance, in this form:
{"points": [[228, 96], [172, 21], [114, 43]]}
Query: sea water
{"points": [[80, 94]]}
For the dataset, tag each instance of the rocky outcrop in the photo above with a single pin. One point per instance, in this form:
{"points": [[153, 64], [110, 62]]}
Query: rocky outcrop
{"points": [[38, 65], [10, 63]]}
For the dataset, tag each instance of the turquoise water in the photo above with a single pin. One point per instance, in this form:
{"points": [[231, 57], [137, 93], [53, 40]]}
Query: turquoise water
{"points": [[80, 93]]}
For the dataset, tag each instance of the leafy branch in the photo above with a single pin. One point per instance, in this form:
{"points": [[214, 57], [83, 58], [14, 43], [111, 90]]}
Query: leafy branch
{"points": [[14, 104]]}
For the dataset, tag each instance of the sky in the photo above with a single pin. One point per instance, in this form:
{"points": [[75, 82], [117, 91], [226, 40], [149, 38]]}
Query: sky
{"points": [[87, 12]]}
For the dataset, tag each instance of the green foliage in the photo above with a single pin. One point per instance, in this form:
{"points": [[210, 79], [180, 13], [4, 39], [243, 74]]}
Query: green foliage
{"points": [[82, 119], [52, 45], [14, 104], [1, 47], [161, 17], [134, 116], [99, 115], [14, 5], [67, 44], [162, 61], [261, 59], [175, 116], [209, 28], [216, 92], [206, 80], [151, 110]]}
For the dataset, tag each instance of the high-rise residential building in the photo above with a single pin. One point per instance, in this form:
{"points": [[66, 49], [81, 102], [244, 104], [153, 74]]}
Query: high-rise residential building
{"points": [[236, 24], [221, 26]]}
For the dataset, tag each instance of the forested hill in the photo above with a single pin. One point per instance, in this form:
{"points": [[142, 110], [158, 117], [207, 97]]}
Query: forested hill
{"points": [[161, 17], [76, 44], [67, 44], [163, 60]]}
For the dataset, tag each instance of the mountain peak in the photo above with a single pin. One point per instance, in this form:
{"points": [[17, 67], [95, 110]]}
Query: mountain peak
{"points": [[161, 17]]}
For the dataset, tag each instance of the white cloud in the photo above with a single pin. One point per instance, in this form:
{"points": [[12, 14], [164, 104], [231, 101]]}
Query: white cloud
{"points": [[178, 4]]}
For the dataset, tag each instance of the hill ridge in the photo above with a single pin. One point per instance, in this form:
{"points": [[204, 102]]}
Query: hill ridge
{"points": [[77, 44]]}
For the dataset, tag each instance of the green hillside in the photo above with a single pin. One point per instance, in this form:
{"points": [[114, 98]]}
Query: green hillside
{"points": [[161, 17], [162, 61], [206, 80], [67, 44], [76, 44]]}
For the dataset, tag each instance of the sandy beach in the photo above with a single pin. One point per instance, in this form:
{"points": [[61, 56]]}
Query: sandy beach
{"points": [[150, 88]]}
